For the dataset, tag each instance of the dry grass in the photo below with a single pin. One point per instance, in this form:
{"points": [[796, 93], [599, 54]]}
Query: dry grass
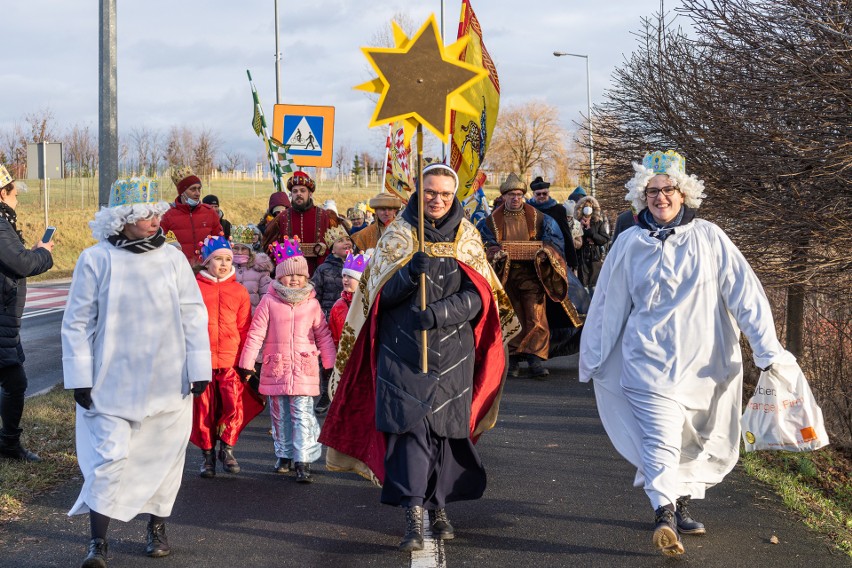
{"points": [[48, 424]]}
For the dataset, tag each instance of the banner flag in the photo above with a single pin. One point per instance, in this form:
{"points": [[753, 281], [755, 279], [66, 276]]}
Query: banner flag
{"points": [[398, 179], [258, 124], [476, 204], [470, 138]]}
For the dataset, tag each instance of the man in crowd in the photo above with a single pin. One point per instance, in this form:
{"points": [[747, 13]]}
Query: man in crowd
{"points": [[542, 201], [188, 219], [526, 248], [386, 207], [213, 202], [303, 220]]}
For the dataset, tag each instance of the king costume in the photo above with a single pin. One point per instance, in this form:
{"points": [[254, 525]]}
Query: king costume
{"points": [[388, 421], [134, 342]]}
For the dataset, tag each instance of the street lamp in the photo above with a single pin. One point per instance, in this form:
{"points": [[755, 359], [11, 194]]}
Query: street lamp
{"points": [[589, 113]]}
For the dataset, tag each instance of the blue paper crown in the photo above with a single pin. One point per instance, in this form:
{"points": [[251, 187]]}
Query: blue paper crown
{"points": [[212, 244], [660, 162], [134, 190]]}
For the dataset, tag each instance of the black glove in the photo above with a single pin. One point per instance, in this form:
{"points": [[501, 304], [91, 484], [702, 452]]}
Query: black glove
{"points": [[419, 264], [327, 373], [84, 397], [423, 319], [245, 374], [198, 387], [766, 369]]}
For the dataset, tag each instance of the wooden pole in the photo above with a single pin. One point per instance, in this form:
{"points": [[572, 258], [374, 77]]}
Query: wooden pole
{"points": [[421, 202]]}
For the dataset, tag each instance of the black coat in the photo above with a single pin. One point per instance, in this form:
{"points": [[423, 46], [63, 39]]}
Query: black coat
{"points": [[404, 396], [328, 282], [16, 263]]}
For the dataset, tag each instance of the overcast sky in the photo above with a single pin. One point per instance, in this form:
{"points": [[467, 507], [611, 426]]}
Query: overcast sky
{"points": [[183, 62]]}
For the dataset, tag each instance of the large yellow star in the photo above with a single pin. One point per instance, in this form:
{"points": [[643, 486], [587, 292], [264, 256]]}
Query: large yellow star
{"points": [[420, 81]]}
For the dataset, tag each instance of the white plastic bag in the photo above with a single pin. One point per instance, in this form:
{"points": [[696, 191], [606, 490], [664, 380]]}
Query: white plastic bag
{"points": [[782, 414]]}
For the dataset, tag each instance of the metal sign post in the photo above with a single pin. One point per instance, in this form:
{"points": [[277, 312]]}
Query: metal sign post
{"points": [[44, 162]]}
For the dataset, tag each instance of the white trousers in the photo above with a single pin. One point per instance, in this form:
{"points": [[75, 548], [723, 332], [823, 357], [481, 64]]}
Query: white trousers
{"points": [[295, 428]]}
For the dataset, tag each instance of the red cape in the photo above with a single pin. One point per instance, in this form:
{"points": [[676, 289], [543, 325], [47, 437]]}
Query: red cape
{"points": [[350, 426]]}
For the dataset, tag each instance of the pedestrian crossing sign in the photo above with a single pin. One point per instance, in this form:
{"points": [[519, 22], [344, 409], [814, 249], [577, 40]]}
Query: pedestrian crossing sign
{"points": [[308, 131]]}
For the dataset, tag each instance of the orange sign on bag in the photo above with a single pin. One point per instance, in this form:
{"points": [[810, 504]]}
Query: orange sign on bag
{"points": [[308, 131], [808, 434]]}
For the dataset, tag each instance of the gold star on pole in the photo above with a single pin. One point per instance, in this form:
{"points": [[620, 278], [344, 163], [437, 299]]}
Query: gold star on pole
{"points": [[420, 81]]}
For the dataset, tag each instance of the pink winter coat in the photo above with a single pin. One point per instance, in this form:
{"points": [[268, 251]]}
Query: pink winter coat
{"points": [[291, 337], [255, 277]]}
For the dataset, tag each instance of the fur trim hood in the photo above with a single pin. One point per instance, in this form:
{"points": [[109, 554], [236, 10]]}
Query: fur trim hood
{"points": [[261, 262], [596, 208]]}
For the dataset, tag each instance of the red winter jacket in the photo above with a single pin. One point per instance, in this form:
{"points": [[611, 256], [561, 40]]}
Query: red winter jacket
{"points": [[337, 316], [229, 317], [190, 226]]}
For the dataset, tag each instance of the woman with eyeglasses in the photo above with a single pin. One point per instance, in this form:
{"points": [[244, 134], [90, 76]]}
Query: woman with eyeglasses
{"points": [[661, 342]]}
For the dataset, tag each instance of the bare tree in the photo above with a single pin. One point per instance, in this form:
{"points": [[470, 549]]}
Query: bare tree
{"points": [[81, 149], [204, 151], [342, 156], [41, 126], [526, 136], [146, 149], [178, 147], [234, 161], [13, 147]]}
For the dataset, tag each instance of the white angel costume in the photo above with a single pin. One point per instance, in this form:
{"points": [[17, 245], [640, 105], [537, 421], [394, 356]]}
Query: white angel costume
{"points": [[661, 342], [135, 332]]}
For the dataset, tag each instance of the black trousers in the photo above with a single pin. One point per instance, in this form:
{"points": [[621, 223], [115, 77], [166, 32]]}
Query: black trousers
{"points": [[13, 385], [423, 469]]}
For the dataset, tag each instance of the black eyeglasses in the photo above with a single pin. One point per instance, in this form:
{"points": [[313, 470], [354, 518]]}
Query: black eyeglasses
{"points": [[444, 195], [668, 191]]}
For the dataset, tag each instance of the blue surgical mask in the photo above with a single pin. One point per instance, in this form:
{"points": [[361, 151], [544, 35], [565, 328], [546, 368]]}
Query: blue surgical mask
{"points": [[192, 202]]}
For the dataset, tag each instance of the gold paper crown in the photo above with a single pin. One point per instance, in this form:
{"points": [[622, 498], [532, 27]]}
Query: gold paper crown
{"points": [[5, 178], [180, 173], [334, 234], [242, 235]]}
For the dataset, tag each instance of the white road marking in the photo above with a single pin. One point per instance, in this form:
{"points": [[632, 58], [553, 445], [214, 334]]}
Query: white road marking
{"points": [[432, 555]]}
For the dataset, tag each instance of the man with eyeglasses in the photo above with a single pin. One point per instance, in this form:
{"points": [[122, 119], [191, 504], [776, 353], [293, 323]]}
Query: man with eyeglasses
{"points": [[414, 431], [526, 249], [542, 201], [303, 220]]}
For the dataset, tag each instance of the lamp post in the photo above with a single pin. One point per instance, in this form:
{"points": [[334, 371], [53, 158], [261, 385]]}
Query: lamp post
{"points": [[589, 113]]}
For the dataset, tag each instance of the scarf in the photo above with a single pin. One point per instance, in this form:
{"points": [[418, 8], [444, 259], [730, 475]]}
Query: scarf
{"points": [[662, 232], [139, 246], [293, 296], [11, 216]]}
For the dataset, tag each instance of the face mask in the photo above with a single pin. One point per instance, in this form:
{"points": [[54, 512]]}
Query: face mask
{"points": [[191, 202], [241, 258], [587, 210]]}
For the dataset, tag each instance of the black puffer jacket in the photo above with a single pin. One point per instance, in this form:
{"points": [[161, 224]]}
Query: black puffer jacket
{"points": [[328, 282], [403, 395], [16, 263]]}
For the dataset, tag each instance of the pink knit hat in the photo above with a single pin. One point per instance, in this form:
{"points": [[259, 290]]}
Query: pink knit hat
{"points": [[289, 257]]}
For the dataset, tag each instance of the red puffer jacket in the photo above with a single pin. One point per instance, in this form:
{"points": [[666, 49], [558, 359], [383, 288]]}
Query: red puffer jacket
{"points": [[337, 316], [190, 226], [229, 317]]}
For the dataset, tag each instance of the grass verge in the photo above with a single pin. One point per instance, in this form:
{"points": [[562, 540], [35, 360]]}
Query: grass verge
{"points": [[816, 486], [48, 431]]}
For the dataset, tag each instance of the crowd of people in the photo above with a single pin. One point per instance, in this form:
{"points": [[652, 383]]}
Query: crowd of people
{"points": [[401, 339]]}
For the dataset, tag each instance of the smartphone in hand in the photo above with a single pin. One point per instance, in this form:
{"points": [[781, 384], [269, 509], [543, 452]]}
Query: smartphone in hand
{"points": [[48, 234]]}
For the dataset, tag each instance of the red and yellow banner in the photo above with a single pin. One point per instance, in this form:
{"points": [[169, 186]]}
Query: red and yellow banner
{"points": [[398, 178], [471, 136]]}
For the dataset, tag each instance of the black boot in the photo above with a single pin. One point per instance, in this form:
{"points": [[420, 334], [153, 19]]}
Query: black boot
{"points": [[97, 557], [413, 539], [226, 456], [665, 536], [537, 371], [514, 366], [208, 467], [303, 472], [441, 527], [685, 523], [158, 544], [282, 465], [11, 448]]}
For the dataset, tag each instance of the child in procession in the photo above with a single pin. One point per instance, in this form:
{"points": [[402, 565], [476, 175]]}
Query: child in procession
{"points": [[353, 268], [226, 406], [289, 326], [253, 268]]}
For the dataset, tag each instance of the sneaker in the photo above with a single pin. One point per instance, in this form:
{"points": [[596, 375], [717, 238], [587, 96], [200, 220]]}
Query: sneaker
{"points": [[685, 523], [97, 557], [158, 544], [665, 538], [283, 465]]}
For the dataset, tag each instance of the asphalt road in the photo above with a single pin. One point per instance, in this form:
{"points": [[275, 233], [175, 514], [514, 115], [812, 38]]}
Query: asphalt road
{"points": [[43, 351], [558, 495]]}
